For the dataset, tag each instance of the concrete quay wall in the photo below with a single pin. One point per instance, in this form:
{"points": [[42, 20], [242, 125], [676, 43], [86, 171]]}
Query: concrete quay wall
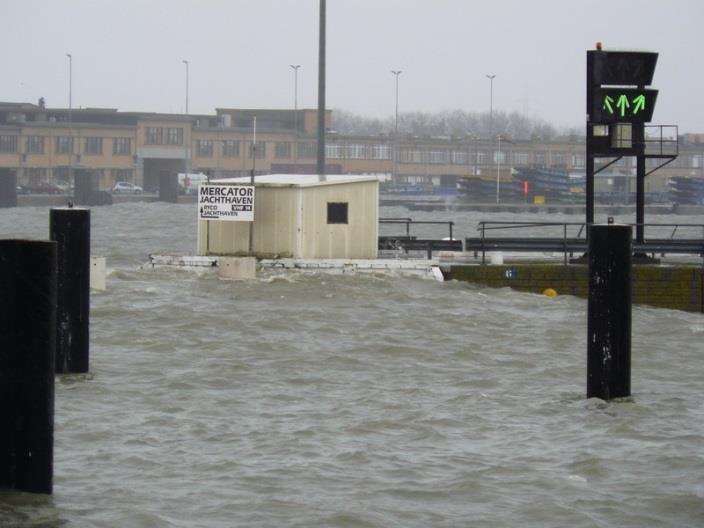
{"points": [[673, 287]]}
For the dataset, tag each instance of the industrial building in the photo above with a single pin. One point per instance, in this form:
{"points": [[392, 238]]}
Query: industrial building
{"points": [[45, 144]]}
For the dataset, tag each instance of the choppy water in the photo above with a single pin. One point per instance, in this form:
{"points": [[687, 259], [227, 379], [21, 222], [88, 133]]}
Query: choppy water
{"points": [[345, 401]]}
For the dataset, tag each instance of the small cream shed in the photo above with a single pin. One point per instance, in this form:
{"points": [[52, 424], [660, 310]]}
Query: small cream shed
{"points": [[301, 216]]}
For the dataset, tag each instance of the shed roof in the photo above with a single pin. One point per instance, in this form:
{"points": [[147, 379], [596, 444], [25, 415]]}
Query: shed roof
{"points": [[297, 180]]}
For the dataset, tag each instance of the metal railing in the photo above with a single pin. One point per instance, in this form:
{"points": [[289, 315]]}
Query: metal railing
{"points": [[408, 222], [409, 242], [567, 245]]}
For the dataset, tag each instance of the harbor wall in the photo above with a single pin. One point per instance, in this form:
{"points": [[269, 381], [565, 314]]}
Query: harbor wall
{"points": [[673, 287]]}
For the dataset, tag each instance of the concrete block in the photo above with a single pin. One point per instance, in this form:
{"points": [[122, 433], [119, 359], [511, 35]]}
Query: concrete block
{"points": [[497, 258], [97, 273], [237, 268]]}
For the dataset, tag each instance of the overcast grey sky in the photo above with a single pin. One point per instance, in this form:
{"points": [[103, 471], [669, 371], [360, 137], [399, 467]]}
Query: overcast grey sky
{"points": [[127, 54]]}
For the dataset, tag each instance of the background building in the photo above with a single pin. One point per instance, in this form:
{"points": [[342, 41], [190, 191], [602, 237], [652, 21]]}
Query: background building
{"points": [[46, 144]]}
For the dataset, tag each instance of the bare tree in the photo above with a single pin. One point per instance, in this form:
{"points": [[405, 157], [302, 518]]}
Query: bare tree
{"points": [[452, 123]]}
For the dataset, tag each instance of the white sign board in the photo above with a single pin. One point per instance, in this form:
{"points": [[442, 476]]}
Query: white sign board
{"points": [[226, 202]]}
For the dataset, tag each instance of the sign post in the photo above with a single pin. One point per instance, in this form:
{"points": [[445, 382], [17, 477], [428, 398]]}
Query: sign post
{"points": [[233, 203], [223, 202]]}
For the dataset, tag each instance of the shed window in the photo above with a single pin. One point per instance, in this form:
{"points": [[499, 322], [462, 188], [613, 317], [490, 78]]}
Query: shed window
{"points": [[337, 212]]}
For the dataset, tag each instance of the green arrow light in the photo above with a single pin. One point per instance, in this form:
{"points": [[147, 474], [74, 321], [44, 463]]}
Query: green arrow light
{"points": [[608, 100], [639, 104], [622, 104]]}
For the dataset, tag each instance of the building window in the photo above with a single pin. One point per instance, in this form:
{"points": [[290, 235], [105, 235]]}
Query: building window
{"points": [[155, 136], [93, 145], [357, 151], [333, 151], [520, 158], [460, 157], [164, 136], [578, 161], [231, 148], [8, 143], [337, 212], [204, 148], [282, 149], [439, 156], [64, 145], [260, 149], [174, 136], [410, 155], [34, 145], [307, 150], [121, 146], [381, 152]]}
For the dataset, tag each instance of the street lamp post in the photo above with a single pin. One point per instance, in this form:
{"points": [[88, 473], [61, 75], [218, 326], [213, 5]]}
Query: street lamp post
{"points": [[498, 171], [491, 104], [70, 84], [396, 73], [475, 157], [70, 116], [393, 157], [295, 67], [186, 143], [186, 63]]}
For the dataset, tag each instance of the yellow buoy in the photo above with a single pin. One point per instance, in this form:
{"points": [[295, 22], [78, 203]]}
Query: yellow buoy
{"points": [[550, 292]]}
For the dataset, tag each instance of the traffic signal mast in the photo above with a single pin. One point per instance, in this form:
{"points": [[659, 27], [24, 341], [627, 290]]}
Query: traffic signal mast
{"points": [[618, 107]]}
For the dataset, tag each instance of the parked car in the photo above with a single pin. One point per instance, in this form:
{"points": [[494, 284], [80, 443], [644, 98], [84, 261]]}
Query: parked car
{"points": [[126, 188], [65, 186], [23, 189], [47, 187]]}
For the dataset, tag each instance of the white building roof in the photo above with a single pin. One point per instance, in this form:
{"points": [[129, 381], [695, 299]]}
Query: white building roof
{"points": [[297, 180]]}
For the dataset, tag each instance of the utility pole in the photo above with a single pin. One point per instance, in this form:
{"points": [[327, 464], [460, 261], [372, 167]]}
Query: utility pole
{"points": [[186, 63], [251, 182], [70, 117], [321, 93], [295, 116]]}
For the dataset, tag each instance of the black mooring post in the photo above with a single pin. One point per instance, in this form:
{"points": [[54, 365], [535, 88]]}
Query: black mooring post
{"points": [[27, 343], [70, 229], [8, 188], [609, 312], [84, 187], [168, 187]]}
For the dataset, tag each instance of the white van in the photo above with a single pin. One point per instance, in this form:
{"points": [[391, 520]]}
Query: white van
{"points": [[188, 182]]}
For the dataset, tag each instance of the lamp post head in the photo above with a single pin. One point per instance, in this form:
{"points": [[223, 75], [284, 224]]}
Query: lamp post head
{"points": [[295, 66], [397, 72]]}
